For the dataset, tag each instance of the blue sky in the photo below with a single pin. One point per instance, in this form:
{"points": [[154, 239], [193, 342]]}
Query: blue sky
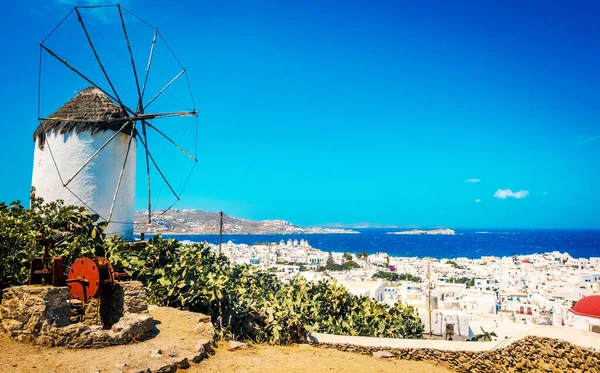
{"points": [[381, 112]]}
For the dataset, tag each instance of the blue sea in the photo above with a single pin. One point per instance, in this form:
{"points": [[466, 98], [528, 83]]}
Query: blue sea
{"points": [[466, 243]]}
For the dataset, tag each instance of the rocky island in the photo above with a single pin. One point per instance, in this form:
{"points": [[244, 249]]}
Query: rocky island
{"points": [[418, 232], [189, 221]]}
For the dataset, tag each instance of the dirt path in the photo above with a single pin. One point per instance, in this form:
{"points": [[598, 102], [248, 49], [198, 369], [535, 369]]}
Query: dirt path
{"points": [[305, 359], [175, 332]]}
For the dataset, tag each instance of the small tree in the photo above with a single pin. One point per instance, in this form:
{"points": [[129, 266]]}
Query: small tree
{"points": [[362, 254], [350, 264], [330, 262], [347, 256]]}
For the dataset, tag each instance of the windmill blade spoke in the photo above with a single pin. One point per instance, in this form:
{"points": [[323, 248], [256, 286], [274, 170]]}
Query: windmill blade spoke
{"points": [[164, 88], [164, 115], [190, 90], [64, 62], [148, 172], [134, 118], [139, 19], [170, 50], [93, 68], [167, 210], [98, 59], [158, 169], [97, 6], [97, 152], [140, 108], [57, 26], [137, 83], [187, 179], [171, 141], [114, 201]]}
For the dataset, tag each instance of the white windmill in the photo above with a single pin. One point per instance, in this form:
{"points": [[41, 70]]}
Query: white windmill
{"points": [[85, 151]]}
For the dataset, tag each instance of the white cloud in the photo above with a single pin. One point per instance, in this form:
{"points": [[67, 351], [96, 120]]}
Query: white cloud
{"points": [[473, 180], [508, 193], [104, 14], [477, 200]]}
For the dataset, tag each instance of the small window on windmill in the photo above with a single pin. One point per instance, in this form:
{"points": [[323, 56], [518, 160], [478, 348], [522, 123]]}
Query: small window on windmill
{"points": [[42, 142]]}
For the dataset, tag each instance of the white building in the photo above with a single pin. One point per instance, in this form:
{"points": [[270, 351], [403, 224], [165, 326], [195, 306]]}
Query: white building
{"points": [[585, 315], [372, 289], [446, 323], [64, 145]]}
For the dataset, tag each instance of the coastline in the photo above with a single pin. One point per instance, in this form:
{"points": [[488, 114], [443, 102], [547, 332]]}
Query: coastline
{"points": [[465, 244], [241, 234], [419, 232]]}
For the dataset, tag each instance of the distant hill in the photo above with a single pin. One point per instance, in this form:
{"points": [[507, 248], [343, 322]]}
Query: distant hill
{"points": [[189, 221]]}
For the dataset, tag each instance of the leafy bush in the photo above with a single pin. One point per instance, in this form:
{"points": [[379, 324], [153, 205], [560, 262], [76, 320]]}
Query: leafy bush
{"points": [[243, 302], [246, 303], [455, 265], [462, 280], [330, 265], [393, 276], [75, 233]]}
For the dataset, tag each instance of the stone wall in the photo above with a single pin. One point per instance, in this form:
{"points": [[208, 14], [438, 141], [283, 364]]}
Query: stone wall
{"points": [[530, 354], [29, 309], [40, 315], [134, 297]]}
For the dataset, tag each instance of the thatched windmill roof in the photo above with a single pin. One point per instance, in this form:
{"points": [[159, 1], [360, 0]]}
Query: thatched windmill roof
{"points": [[90, 110]]}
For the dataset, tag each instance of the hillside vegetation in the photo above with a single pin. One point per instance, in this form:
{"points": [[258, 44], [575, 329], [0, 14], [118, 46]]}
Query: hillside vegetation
{"points": [[244, 303]]}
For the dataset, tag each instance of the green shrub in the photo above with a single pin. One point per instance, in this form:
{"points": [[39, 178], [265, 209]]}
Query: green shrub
{"points": [[247, 303], [75, 233], [243, 302], [393, 276]]}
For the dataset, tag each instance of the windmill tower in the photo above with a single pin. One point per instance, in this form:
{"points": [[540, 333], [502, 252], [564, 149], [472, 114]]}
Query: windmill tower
{"points": [[81, 127], [85, 152]]}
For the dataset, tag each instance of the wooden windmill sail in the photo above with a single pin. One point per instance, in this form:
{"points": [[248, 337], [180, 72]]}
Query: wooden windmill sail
{"points": [[86, 150]]}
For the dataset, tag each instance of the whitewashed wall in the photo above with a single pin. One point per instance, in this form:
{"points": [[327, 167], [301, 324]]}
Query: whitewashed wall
{"points": [[97, 182], [439, 319]]}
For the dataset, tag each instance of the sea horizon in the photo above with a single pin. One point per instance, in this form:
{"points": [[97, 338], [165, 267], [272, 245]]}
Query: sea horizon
{"points": [[469, 243]]}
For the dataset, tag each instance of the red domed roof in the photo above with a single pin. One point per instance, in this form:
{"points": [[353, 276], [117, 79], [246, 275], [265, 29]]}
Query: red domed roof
{"points": [[527, 261], [588, 306]]}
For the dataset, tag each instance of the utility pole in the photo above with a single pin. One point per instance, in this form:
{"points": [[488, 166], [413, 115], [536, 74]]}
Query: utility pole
{"points": [[269, 256], [220, 230], [429, 300]]}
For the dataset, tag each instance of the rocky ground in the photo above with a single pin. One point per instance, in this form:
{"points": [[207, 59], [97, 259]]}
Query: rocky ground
{"points": [[178, 335], [175, 335], [175, 345], [180, 340]]}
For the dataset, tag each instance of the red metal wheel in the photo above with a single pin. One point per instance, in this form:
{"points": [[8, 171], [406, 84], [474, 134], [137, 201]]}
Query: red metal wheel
{"points": [[84, 279]]}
